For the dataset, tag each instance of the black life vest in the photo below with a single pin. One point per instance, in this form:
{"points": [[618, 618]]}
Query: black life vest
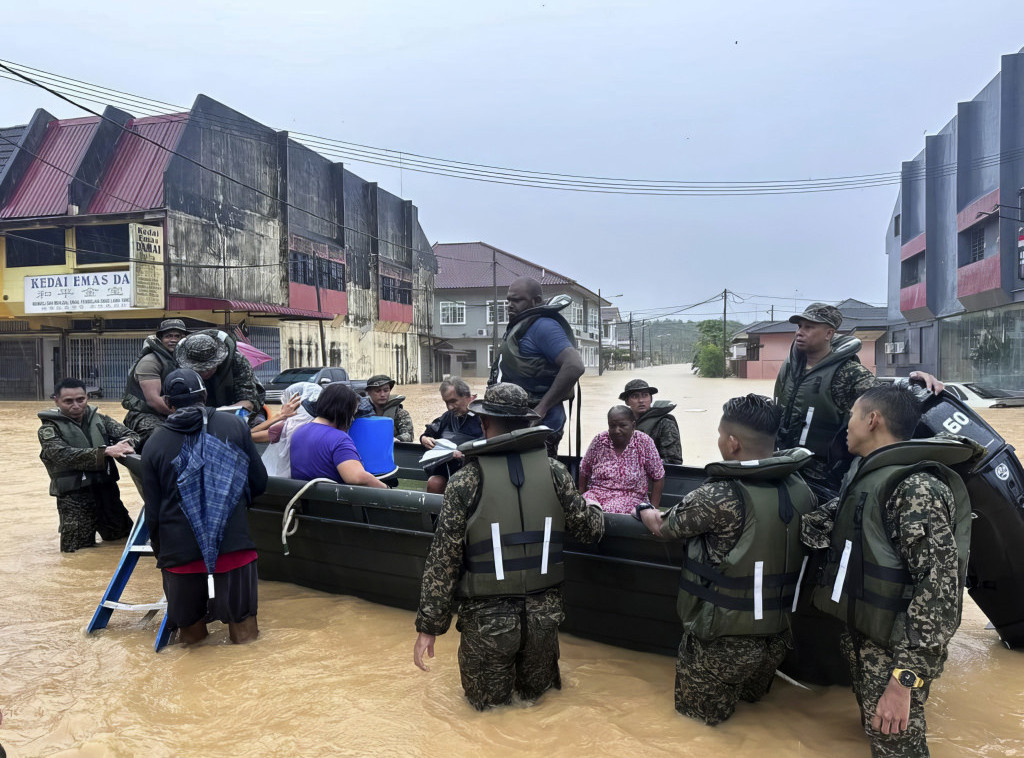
{"points": [[534, 373], [134, 398]]}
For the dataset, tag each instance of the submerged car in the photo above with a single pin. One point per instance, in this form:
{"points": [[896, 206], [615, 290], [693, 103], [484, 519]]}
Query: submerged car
{"points": [[322, 375], [979, 396]]}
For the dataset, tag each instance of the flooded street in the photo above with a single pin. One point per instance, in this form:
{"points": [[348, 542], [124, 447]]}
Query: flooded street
{"points": [[333, 675]]}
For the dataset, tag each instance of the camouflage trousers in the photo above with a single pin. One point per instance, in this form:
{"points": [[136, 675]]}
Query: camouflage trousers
{"points": [[870, 670], [143, 424], [95, 509], [712, 676], [509, 645]]}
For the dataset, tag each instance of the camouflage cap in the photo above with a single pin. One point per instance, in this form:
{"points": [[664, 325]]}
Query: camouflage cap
{"points": [[505, 399], [636, 385], [201, 352], [819, 313], [379, 380], [171, 324]]}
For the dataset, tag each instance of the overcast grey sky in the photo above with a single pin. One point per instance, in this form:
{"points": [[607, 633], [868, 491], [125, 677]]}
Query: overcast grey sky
{"points": [[644, 90]]}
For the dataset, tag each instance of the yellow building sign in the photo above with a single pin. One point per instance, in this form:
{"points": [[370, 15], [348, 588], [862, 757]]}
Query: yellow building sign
{"points": [[146, 252]]}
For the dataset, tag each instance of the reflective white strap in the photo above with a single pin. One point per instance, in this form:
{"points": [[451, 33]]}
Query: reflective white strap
{"points": [[758, 587], [837, 588], [499, 568], [547, 545], [807, 426], [209, 585], [799, 581]]}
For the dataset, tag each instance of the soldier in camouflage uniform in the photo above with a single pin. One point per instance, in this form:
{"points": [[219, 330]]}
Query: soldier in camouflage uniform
{"points": [[510, 600], [897, 539], [742, 523], [143, 391], [227, 374], [378, 389], [656, 421], [79, 445]]}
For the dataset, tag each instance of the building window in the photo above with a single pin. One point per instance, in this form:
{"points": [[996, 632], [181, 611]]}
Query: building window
{"points": [[490, 355], [332, 275], [453, 313], [300, 268], [101, 244], [502, 311], [592, 323], [395, 290], [577, 314], [977, 243], [912, 270], [35, 247], [896, 226]]}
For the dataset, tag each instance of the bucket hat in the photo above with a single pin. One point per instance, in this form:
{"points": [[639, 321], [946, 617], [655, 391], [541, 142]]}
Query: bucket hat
{"points": [[506, 400], [636, 385]]}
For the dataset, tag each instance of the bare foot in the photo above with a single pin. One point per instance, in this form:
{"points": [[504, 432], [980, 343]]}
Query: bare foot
{"points": [[244, 631], [195, 633]]}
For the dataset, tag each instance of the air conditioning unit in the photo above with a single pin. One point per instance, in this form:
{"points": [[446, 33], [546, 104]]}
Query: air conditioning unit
{"points": [[739, 352], [483, 332], [895, 348]]}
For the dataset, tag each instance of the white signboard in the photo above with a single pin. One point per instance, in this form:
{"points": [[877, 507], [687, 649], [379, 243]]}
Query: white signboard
{"points": [[73, 293], [146, 253]]}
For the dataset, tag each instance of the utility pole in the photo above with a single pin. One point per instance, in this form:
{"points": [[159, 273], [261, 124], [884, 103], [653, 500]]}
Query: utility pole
{"points": [[631, 340], [725, 347], [494, 326], [600, 335]]}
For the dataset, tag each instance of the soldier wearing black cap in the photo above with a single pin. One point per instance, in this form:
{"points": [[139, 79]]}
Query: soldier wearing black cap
{"points": [[654, 419], [498, 548], [378, 389], [143, 393]]}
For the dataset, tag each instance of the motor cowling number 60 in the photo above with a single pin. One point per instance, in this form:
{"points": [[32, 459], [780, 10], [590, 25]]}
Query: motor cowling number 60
{"points": [[956, 422]]}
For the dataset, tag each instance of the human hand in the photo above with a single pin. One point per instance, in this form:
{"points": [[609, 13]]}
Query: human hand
{"points": [[893, 710], [428, 442], [120, 450], [291, 407], [932, 384], [424, 644], [457, 454]]}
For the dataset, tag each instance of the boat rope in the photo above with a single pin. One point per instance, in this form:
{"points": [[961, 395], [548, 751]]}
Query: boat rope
{"points": [[289, 524]]}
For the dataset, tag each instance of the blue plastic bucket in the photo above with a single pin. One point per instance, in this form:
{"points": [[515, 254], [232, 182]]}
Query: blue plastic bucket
{"points": [[375, 440]]}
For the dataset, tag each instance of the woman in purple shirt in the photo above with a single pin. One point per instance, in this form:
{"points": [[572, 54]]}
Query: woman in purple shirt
{"points": [[323, 449]]}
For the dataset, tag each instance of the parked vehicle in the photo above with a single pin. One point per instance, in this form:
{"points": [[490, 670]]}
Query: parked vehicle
{"points": [[977, 395], [322, 375]]}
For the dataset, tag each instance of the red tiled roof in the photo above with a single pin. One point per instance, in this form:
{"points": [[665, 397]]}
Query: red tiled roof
{"points": [[134, 178], [469, 264], [43, 190]]}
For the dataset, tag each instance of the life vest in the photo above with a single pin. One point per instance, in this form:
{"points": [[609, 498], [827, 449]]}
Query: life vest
{"points": [[221, 386], [655, 413], [391, 407], [534, 373], [810, 417], [865, 581], [86, 435], [754, 588], [513, 543], [134, 398]]}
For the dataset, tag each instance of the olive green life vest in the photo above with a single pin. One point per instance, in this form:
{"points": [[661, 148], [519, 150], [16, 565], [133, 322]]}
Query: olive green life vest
{"points": [[534, 374], [223, 379], [865, 581], [89, 434], [754, 588], [656, 413], [810, 417], [513, 543], [134, 398], [391, 407]]}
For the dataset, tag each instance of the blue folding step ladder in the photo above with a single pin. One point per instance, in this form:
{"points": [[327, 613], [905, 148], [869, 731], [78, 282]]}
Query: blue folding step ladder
{"points": [[138, 544]]}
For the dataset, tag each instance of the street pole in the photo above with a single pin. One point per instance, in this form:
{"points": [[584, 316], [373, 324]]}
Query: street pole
{"points": [[494, 326], [600, 335], [725, 348], [631, 340]]}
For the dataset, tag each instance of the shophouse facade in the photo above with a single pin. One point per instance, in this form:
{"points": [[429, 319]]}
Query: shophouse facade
{"points": [[108, 225]]}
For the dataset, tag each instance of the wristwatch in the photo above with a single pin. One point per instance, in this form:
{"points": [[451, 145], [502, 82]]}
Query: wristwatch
{"points": [[908, 678], [642, 507]]}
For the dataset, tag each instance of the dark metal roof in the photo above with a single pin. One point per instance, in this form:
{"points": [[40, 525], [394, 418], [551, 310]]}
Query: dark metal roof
{"points": [[134, 179], [43, 190], [856, 315], [10, 138], [188, 303], [469, 264]]}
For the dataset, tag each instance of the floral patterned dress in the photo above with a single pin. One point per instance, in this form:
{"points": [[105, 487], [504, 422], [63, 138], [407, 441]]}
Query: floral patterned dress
{"points": [[619, 481]]}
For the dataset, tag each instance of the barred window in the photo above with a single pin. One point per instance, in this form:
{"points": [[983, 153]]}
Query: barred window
{"points": [[332, 275], [395, 290], [977, 243]]}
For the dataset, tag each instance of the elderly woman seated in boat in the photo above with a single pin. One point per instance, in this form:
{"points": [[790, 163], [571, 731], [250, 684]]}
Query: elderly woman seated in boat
{"points": [[457, 425], [622, 468], [298, 408], [323, 449]]}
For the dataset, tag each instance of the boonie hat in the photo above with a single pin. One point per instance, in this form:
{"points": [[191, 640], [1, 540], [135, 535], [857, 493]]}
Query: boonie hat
{"points": [[171, 324], [505, 399], [819, 313], [636, 385], [201, 352], [379, 380], [181, 384]]}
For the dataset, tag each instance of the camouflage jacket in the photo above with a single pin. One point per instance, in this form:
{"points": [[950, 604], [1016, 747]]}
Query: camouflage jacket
{"points": [[403, 426], [666, 438], [920, 518], [445, 559], [713, 511], [56, 451]]}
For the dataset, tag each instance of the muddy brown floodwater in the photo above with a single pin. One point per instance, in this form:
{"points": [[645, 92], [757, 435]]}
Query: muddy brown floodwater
{"points": [[333, 675]]}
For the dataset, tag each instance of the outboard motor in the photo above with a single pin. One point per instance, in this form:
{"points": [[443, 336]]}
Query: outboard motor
{"points": [[995, 572]]}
